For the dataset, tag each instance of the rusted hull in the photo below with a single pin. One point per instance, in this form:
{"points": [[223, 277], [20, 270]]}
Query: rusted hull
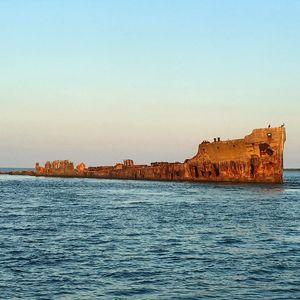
{"points": [[258, 157]]}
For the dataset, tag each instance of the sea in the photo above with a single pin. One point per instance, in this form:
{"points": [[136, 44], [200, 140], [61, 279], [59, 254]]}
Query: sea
{"points": [[63, 238]]}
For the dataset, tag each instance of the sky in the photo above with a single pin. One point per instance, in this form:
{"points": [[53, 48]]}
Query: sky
{"points": [[102, 81]]}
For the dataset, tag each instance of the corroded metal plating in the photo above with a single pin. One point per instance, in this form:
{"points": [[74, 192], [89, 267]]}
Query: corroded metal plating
{"points": [[258, 157]]}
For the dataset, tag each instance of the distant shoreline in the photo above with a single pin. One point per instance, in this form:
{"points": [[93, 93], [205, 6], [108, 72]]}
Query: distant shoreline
{"points": [[12, 168]]}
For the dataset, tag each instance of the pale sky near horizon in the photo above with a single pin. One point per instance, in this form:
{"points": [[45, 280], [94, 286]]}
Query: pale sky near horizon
{"points": [[100, 81]]}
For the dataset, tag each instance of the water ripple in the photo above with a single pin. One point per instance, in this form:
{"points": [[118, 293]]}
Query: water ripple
{"points": [[110, 239]]}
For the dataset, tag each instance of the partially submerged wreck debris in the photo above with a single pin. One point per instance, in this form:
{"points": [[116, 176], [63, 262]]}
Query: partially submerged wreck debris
{"points": [[258, 157]]}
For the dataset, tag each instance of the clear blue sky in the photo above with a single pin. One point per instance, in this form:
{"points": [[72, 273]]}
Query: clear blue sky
{"points": [[99, 81]]}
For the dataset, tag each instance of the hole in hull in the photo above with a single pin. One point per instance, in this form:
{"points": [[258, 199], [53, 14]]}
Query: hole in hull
{"points": [[217, 170], [252, 169], [196, 172]]}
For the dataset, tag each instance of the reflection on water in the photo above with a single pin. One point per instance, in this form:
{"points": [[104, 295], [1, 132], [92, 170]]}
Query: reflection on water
{"points": [[89, 238]]}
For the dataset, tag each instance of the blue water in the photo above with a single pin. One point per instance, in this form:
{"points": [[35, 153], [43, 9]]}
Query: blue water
{"points": [[109, 239]]}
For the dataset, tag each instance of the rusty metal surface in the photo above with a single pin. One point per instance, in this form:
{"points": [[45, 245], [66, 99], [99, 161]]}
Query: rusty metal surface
{"points": [[258, 157]]}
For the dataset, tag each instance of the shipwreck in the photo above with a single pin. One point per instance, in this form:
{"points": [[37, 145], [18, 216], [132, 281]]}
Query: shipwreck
{"points": [[258, 157]]}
